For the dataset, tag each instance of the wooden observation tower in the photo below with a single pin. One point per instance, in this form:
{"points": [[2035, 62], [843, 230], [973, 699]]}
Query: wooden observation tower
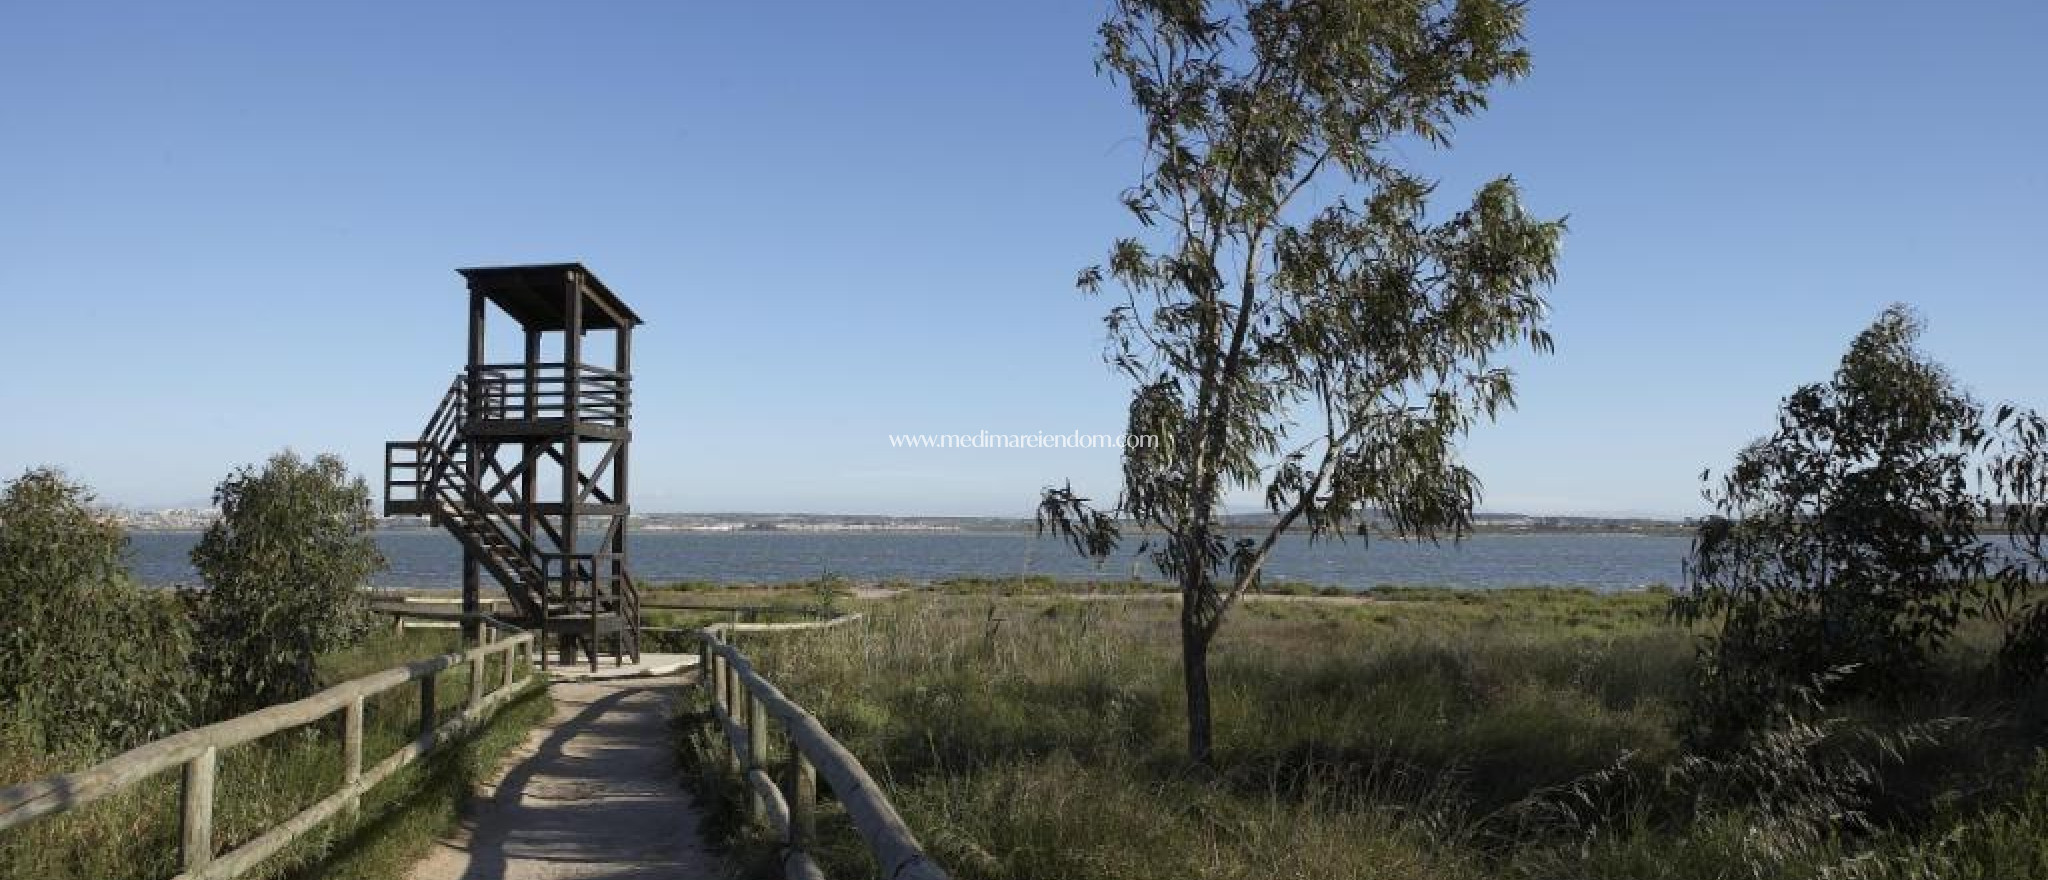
{"points": [[524, 462]]}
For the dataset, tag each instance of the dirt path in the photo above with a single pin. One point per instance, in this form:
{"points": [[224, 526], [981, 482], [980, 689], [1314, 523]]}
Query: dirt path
{"points": [[591, 794]]}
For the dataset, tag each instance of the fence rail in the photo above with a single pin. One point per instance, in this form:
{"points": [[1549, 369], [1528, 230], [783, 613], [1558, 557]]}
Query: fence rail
{"points": [[745, 704], [198, 751]]}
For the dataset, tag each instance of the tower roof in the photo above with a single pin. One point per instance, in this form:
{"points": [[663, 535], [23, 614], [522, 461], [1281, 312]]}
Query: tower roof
{"points": [[536, 296]]}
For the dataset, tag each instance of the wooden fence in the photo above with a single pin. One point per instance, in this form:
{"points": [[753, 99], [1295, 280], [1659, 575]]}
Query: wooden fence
{"points": [[198, 751], [741, 615], [745, 703]]}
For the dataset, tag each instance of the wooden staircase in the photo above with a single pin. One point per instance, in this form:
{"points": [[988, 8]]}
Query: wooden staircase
{"points": [[432, 477]]}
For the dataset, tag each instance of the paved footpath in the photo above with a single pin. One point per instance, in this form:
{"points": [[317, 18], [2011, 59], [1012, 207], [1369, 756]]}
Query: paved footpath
{"points": [[591, 794]]}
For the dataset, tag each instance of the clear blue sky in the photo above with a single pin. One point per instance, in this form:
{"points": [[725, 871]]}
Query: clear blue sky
{"points": [[231, 227]]}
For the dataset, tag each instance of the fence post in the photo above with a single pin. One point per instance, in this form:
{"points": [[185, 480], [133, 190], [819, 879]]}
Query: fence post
{"points": [[427, 704], [352, 750], [801, 791], [704, 679], [197, 816], [476, 681], [735, 695], [736, 698], [757, 748], [757, 733], [721, 695]]}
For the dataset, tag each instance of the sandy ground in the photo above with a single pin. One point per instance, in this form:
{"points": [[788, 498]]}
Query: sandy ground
{"points": [[590, 794]]}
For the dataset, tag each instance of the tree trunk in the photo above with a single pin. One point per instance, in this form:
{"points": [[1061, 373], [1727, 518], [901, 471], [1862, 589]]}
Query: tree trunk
{"points": [[1194, 658]]}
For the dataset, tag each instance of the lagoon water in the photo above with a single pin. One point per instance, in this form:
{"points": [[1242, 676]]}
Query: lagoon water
{"points": [[432, 560]]}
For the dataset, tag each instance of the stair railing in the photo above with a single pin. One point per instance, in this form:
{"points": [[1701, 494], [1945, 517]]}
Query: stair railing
{"points": [[451, 487], [447, 479], [444, 479]]}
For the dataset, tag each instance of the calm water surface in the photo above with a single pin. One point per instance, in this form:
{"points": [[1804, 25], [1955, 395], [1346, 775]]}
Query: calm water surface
{"points": [[427, 559]]}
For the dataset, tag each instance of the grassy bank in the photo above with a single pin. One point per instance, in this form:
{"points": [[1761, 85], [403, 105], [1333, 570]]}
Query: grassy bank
{"points": [[134, 834], [1416, 734]]}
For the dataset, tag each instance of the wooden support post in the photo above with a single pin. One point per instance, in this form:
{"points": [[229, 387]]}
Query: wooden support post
{"points": [[572, 473], [511, 659], [197, 816], [622, 361], [352, 751], [427, 704], [800, 789]]}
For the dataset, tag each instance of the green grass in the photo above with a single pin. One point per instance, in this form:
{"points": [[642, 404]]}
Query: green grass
{"points": [[1415, 733], [135, 834]]}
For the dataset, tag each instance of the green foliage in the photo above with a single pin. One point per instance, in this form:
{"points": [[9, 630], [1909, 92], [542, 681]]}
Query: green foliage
{"points": [[1294, 320], [89, 662], [284, 568], [1847, 539], [53, 543], [2019, 480]]}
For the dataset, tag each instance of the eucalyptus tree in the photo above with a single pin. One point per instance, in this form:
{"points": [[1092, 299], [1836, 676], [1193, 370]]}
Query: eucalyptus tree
{"points": [[285, 566], [2018, 477], [1845, 543], [1293, 320], [89, 661]]}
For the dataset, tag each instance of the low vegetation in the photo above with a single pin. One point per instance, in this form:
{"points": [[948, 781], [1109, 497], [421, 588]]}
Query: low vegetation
{"points": [[94, 664], [1848, 687], [134, 834], [1421, 733]]}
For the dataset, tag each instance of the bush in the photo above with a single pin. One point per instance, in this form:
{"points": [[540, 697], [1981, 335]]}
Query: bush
{"points": [[285, 566], [89, 662], [1848, 538]]}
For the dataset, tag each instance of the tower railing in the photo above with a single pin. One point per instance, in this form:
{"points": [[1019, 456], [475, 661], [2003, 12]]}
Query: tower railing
{"points": [[541, 393]]}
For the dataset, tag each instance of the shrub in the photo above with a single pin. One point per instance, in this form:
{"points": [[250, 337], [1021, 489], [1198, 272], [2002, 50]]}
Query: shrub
{"points": [[1847, 538], [89, 662], [284, 568]]}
